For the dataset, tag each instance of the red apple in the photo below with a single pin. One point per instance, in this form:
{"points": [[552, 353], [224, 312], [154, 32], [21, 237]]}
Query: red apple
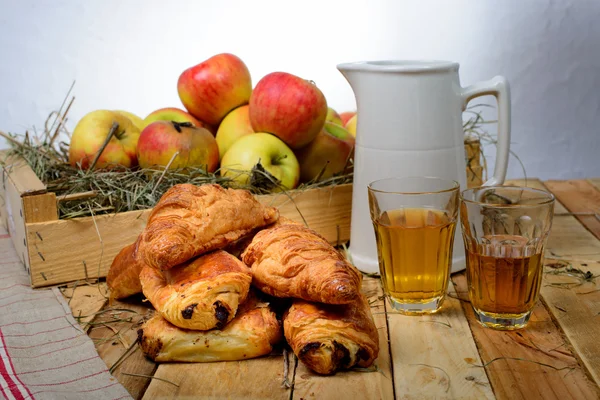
{"points": [[90, 134], [235, 125], [159, 141], [214, 87], [327, 155], [345, 116], [289, 107], [333, 116], [173, 114], [274, 156]]}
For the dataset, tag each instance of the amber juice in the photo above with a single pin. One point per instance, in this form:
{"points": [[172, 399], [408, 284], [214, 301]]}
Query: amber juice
{"points": [[415, 253], [504, 278]]}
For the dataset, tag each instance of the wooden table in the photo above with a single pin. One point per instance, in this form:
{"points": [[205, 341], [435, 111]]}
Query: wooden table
{"points": [[447, 355]]}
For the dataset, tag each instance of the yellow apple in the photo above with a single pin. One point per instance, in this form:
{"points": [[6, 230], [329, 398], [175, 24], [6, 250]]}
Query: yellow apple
{"points": [[267, 150], [333, 116], [137, 121], [235, 125], [351, 125], [345, 116], [90, 134]]}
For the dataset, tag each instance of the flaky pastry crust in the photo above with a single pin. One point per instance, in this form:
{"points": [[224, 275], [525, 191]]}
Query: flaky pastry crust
{"points": [[192, 220], [327, 338], [201, 294], [123, 277], [290, 260]]}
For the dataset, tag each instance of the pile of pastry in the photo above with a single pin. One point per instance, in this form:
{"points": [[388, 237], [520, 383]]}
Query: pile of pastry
{"points": [[226, 274]]}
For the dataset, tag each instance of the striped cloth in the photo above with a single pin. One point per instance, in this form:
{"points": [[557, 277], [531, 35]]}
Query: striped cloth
{"points": [[44, 354]]}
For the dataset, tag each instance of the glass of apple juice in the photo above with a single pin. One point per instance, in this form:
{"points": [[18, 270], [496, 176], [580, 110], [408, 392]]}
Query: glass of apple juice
{"points": [[414, 220], [505, 229]]}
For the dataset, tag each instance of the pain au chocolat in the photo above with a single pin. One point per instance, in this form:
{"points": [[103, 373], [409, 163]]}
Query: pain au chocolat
{"points": [[192, 220], [327, 337], [290, 260], [201, 294]]}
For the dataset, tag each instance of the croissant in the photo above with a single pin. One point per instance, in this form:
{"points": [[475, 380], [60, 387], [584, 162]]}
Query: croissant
{"points": [[328, 337], [252, 333], [291, 260], [201, 294], [123, 277], [192, 220]]}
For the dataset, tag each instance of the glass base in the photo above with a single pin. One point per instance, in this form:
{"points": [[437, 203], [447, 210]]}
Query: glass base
{"points": [[504, 322], [429, 306]]}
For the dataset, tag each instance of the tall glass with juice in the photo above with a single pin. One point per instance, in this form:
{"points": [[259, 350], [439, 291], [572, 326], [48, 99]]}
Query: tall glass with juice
{"points": [[505, 231], [414, 221]]}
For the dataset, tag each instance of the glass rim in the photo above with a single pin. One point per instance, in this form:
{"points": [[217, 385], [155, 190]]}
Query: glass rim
{"points": [[550, 198], [455, 185]]}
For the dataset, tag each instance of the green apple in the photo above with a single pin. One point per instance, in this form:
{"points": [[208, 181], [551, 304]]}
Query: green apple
{"points": [[90, 134], [333, 116], [327, 155], [235, 125], [137, 121], [270, 152]]}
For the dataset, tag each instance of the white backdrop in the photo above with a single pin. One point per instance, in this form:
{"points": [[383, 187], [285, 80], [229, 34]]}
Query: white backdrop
{"points": [[128, 54]]}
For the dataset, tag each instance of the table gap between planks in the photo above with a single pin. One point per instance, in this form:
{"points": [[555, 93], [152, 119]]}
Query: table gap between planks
{"points": [[447, 355]]}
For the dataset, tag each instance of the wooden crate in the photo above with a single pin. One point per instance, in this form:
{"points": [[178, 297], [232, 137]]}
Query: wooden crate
{"points": [[57, 251]]}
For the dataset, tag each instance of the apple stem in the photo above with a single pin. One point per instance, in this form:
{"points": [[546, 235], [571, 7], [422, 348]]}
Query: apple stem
{"points": [[179, 125], [111, 133]]}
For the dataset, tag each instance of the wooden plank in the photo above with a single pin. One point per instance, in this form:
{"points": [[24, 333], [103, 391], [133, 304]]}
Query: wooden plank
{"points": [[14, 218], [541, 342], [22, 176], [428, 354], [576, 310], [352, 384], [40, 208], [595, 182], [259, 378], [115, 333], [326, 210], [85, 300], [579, 197], [568, 238], [69, 250]]}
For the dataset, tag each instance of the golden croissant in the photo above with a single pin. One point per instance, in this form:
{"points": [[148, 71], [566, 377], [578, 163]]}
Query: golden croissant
{"points": [[252, 333], [123, 277], [328, 337], [192, 220], [201, 294], [290, 260]]}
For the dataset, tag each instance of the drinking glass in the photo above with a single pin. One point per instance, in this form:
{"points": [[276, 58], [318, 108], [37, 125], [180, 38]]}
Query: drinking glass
{"points": [[414, 220], [505, 230]]}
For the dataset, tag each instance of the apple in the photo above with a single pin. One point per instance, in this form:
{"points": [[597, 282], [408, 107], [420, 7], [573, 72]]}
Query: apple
{"points": [[235, 125], [333, 116], [261, 149], [345, 116], [351, 125], [289, 107], [159, 141], [327, 155], [172, 114], [211, 89], [90, 134], [137, 121]]}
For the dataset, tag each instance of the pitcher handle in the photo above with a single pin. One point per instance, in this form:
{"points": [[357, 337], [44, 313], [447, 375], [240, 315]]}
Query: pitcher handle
{"points": [[499, 88]]}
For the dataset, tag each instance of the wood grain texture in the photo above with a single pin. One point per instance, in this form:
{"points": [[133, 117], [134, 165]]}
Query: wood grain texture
{"points": [[259, 378], [40, 208], [576, 309], [85, 300], [20, 173], [579, 197], [429, 353], [353, 384], [595, 182], [113, 332], [13, 216], [69, 250], [540, 342]]}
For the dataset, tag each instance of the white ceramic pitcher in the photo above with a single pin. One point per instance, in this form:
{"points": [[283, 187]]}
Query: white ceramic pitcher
{"points": [[410, 124]]}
